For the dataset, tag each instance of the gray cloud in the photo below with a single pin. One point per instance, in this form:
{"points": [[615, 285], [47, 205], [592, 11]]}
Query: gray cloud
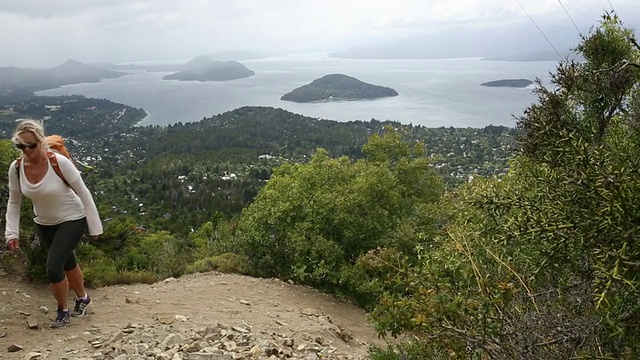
{"points": [[45, 33]]}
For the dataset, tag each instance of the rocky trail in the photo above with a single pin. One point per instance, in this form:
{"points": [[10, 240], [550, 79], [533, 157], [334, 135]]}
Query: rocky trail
{"points": [[196, 317]]}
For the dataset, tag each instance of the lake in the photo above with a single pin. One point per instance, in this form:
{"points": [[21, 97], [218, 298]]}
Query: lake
{"points": [[433, 93]]}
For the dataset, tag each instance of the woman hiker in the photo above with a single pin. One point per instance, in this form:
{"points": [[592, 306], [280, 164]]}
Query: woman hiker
{"points": [[63, 208]]}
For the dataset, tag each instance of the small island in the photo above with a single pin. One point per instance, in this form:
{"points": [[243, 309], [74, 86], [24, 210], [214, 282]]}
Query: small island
{"points": [[517, 83], [205, 69], [337, 87]]}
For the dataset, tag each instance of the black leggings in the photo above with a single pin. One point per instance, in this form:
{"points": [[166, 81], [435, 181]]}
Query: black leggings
{"points": [[61, 241]]}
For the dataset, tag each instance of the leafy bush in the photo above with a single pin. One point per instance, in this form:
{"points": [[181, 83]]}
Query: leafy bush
{"points": [[312, 221], [518, 260]]}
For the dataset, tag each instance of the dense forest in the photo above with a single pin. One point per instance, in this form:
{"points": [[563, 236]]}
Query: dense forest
{"points": [[490, 243], [176, 177]]}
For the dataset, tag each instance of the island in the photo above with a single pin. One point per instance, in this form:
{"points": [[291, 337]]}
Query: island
{"points": [[202, 68], [517, 83], [337, 87]]}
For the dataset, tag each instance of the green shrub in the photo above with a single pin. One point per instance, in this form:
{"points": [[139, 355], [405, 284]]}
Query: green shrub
{"points": [[312, 221]]}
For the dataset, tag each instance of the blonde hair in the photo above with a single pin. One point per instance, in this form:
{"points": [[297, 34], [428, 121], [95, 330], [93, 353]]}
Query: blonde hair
{"points": [[30, 126]]}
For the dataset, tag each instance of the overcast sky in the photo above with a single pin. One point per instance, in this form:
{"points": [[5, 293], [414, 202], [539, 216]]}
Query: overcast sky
{"points": [[42, 33]]}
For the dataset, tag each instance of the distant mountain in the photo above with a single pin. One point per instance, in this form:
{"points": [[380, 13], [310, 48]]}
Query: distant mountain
{"points": [[70, 72], [115, 67], [207, 60], [202, 68], [74, 72], [465, 42], [337, 87], [518, 83], [521, 41], [237, 55]]}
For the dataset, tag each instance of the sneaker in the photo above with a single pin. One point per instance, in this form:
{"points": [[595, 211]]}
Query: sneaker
{"points": [[82, 305], [61, 320]]}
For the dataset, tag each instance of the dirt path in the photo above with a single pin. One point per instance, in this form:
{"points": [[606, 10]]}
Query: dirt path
{"points": [[202, 316]]}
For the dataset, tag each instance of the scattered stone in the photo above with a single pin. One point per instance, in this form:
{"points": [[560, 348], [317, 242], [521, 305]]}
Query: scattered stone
{"points": [[343, 334], [131, 301], [310, 312], [165, 319], [213, 342], [170, 341], [288, 342], [245, 302], [24, 313], [32, 322], [44, 309], [33, 355], [239, 329], [181, 318], [96, 343], [14, 348], [3, 335]]}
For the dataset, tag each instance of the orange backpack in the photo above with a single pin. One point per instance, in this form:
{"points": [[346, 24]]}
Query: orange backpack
{"points": [[56, 144]]}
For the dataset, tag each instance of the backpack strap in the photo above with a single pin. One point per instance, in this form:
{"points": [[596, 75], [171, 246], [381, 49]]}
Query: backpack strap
{"points": [[54, 164], [53, 160]]}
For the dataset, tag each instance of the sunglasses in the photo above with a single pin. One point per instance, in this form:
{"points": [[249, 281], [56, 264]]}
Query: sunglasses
{"points": [[22, 146]]}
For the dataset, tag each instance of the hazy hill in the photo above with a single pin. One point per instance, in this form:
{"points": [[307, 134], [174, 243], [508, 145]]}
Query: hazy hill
{"points": [[203, 63], [73, 71], [70, 72], [337, 87], [202, 68]]}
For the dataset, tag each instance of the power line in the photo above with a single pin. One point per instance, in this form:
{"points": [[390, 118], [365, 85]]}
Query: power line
{"points": [[570, 18], [540, 30]]}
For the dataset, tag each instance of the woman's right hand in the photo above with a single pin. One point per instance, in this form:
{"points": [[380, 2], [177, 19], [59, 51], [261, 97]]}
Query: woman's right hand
{"points": [[13, 244]]}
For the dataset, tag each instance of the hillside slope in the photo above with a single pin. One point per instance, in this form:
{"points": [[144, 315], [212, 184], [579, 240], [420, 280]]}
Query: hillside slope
{"points": [[202, 316]]}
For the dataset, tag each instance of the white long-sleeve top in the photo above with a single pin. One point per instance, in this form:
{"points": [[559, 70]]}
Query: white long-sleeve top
{"points": [[53, 201]]}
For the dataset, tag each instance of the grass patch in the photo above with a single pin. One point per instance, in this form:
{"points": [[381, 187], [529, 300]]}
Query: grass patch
{"points": [[94, 280], [225, 263]]}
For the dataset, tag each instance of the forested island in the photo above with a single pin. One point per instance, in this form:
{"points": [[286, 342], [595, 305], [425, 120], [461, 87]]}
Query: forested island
{"points": [[517, 83], [337, 87]]}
